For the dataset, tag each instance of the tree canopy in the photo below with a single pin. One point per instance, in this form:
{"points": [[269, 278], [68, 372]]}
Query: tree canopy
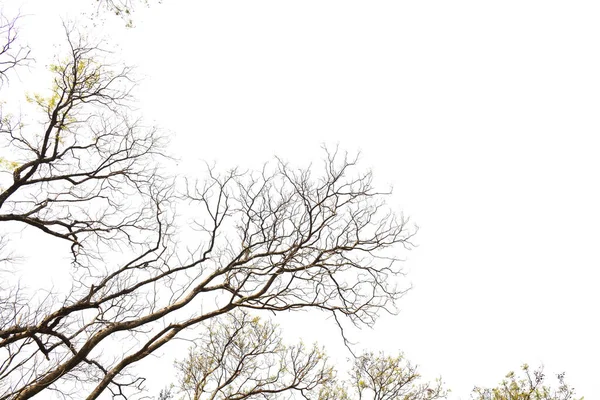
{"points": [[152, 256], [88, 177]]}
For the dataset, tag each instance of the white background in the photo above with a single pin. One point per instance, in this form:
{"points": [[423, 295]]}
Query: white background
{"points": [[484, 116]]}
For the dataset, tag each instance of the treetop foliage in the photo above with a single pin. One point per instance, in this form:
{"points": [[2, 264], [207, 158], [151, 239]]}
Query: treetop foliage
{"points": [[529, 385]]}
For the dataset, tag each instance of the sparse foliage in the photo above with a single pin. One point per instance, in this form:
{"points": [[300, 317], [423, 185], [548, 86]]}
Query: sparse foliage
{"points": [[239, 357], [529, 385], [382, 377], [123, 8]]}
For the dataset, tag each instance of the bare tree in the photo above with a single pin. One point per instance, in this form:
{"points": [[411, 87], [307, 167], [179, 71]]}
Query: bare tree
{"points": [[240, 357], [276, 239]]}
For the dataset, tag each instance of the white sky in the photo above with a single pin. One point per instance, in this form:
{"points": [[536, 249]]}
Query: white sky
{"points": [[484, 116]]}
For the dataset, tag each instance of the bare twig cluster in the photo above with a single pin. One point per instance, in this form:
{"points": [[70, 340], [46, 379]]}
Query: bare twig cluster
{"points": [[122, 8], [12, 53]]}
